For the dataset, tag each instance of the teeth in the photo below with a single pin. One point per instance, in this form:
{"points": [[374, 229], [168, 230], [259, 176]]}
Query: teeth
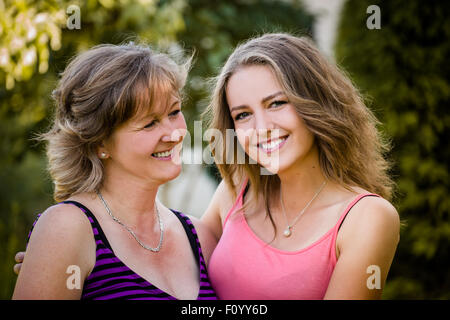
{"points": [[272, 144], [162, 154]]}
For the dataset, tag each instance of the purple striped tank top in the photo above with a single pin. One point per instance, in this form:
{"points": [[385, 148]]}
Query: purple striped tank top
{"points": [[112, 279]]}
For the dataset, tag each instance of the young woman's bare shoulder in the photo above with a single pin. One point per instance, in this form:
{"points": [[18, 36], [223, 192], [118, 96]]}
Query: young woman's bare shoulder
{"points": [[376, 208], [368, 238], [372, 217], [227, 196]]}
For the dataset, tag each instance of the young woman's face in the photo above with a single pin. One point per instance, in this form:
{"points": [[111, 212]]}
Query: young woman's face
{"points": [[267, 125], [148, 146]]}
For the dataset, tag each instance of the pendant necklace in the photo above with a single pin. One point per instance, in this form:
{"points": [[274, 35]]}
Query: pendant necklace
{"points": [[288, 231]]}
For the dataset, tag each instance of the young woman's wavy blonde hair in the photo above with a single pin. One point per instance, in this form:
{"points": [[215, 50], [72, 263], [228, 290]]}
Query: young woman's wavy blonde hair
{"points": [[351, 149], [99, 90]]}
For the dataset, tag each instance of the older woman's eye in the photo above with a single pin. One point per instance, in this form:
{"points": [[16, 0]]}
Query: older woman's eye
{"points": [[174, 113], [151, 124]]}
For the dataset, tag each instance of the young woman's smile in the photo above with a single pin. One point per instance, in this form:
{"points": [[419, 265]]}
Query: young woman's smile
{"points": [[272, 144]]}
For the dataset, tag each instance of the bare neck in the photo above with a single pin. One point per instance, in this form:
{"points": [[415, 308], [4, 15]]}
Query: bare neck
{"points": [[131, 200], [300, 183]]}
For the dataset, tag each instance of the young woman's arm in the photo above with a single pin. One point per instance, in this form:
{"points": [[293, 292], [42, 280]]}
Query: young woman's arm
{"points": [[369, 238], [213, 216], [207, 239], [59, 256]]}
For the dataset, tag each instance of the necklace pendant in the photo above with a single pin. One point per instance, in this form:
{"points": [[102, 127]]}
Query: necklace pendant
{"points": [[287, 232]]}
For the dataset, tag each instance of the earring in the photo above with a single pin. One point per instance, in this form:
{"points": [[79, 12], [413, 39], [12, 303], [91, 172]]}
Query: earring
{"points": [[103, 155]]}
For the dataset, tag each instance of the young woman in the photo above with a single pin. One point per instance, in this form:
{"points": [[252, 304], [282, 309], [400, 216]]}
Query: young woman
{"points": [[115, 139], [320, 226]]}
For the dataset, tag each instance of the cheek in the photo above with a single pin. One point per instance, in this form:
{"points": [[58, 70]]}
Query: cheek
{"points": [[303, 140], [302, 131], [180, 128], [248, 141], [143, 144], [181, 122], [244, 144]]}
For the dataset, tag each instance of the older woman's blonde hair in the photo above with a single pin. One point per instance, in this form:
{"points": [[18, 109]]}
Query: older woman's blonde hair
{"points": [[99, 90], [351, 149]]}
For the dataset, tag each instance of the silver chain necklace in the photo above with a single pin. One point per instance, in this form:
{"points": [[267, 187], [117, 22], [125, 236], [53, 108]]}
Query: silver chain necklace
{"points": [[287, 232], [161, 227]]}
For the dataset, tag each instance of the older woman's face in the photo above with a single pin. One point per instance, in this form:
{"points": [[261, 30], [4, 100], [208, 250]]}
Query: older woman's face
{"points": [[148, 147]]}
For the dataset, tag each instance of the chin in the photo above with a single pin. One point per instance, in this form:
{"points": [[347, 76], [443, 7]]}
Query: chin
{"points": [[277, 166], [172, 173], [165, 173]]}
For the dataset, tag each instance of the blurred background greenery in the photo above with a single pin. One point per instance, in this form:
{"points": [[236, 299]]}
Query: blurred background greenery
{"points": [[400, 68]]}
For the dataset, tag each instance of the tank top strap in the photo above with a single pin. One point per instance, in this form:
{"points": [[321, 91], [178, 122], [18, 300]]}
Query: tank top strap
{"points": [[99, 235], [191, 234], [32, 227], [96, 229], [351, 205], [341, 220], [238, 203]]}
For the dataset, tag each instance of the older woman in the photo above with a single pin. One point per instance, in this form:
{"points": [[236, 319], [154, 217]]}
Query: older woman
{"points": [[116, 137]]}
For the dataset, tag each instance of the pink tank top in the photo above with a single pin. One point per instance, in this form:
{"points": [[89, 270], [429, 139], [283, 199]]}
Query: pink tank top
{"points": [[243, 267]]}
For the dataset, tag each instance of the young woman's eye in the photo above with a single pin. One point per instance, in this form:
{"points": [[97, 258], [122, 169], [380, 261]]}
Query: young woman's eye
{"points": [[241, 116], [277, 103]]}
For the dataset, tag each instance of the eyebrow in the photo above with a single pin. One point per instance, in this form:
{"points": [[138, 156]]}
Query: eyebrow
{"points": [[153, 115], [273, 95]]}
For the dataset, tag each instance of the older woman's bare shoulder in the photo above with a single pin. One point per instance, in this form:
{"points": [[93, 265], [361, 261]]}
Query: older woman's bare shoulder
{"points": [[63, 221]]}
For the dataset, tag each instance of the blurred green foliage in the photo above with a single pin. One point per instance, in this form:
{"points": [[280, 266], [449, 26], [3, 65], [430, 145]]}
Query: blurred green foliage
{"points": [[28, 30], [403, 69], [35, 46]]}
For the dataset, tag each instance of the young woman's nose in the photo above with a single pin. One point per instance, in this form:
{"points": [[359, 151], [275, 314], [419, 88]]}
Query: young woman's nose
{"points": [[263, 125], [263, 121]]}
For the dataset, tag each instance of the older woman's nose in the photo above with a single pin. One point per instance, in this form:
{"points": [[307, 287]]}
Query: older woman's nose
{"points": [[175, 135], [174, 131]]}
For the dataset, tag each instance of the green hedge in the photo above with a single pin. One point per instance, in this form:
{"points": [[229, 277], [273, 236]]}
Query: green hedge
{"points": [[403, 70]]}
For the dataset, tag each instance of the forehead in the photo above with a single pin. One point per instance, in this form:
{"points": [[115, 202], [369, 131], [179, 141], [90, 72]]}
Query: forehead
{"points": [[155, 101], [251, 84]]}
